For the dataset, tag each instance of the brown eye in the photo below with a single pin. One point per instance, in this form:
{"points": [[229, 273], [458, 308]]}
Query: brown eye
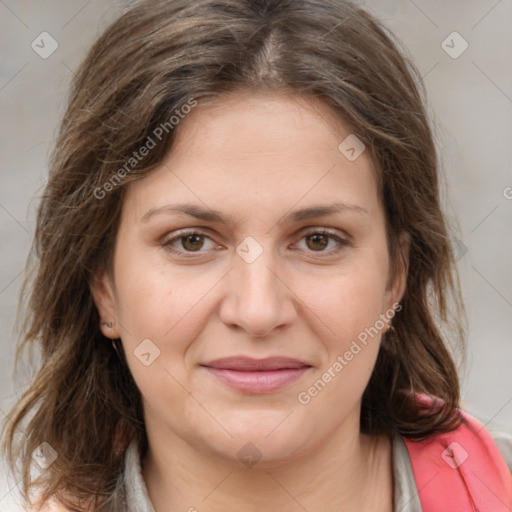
{"points": [[323, 242], [189, 242], [317, 241], [192, 242]]}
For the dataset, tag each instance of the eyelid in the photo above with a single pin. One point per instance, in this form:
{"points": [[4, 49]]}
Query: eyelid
{"points": [[342, 240], [310, 230], [182, 233]]}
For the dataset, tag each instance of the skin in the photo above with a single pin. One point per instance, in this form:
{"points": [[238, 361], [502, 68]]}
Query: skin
{"points": [[256, 157]]}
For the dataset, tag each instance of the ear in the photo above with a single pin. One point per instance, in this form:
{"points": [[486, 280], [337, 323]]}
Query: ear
{"points": [[103, 293], [398, 280]]}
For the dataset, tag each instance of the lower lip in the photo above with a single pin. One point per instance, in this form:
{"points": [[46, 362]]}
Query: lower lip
{"points": [[258, 381]]}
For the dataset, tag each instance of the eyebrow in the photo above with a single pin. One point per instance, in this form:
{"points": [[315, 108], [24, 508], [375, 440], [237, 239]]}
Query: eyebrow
{"points": [[207, 214]]}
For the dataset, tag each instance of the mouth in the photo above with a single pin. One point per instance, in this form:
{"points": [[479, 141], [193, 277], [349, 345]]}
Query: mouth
{"points": [[256, 376]]}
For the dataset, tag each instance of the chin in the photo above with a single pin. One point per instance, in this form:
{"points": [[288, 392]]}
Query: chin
{"points": [[261, 442]]}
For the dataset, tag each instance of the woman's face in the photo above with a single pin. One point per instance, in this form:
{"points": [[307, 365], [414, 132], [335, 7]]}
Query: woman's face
{"points": [[298, 311]]}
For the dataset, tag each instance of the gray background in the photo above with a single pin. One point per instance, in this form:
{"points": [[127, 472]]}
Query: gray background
{"points": [[471, 102]]}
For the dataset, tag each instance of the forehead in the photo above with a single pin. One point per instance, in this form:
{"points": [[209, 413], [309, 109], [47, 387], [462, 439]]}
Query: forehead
{"points": [[262, 150], [262, 122]]}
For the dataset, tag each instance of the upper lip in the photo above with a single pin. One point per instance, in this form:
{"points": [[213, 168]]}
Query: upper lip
{"points": [[243, 363]]}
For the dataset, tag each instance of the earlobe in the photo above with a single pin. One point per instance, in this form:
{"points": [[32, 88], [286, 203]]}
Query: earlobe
{"points": [[102, 291]]}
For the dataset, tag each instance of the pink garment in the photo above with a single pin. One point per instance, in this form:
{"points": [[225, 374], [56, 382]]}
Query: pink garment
{"points": [[461, 471]]}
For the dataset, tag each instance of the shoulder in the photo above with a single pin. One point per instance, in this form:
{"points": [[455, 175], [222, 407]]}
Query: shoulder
{"points": [[487, 441], [495, 438], [474, 431], [503, 440], [466, 462]]}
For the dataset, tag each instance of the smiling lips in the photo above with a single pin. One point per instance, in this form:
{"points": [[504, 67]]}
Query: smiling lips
{"points": [[257, 375]]}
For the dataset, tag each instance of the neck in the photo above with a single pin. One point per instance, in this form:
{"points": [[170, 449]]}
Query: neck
{"points": [[351, 471]]}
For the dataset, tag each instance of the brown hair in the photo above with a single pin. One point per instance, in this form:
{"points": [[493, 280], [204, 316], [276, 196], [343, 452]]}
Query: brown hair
{"points": [[157, 57]]}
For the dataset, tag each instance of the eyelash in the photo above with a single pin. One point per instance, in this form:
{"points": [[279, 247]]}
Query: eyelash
{"points": [[167, 243]]}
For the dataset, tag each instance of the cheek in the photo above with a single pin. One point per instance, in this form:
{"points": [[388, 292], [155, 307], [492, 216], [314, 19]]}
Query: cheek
{"points": [[345, 301], [158, 302], [349, 328], [165, 309]]}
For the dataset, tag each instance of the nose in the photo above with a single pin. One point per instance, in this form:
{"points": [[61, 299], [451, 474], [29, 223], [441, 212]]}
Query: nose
{"points": [[257, 298]]}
